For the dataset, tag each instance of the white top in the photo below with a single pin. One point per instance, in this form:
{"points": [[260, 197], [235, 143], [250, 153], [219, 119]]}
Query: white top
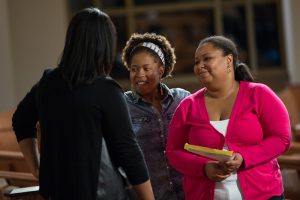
{"points": [[227, 189]]}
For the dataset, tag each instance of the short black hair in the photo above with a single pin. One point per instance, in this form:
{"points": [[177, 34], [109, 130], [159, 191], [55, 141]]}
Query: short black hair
{"points": [[89, 47]]}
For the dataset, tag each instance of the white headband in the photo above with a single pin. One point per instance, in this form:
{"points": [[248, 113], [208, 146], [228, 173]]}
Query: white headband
{"points": [[155, 48]]}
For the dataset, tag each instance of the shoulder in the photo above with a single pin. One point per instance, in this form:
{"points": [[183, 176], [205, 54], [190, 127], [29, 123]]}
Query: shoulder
{"points": [[128, 95], [108, 82], [179, 93], [192, 98], [259, 93], [258, 88]]}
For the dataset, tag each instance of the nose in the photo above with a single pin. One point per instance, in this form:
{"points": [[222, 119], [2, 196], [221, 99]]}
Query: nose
{"points": [[199, 66], [140, 72]]}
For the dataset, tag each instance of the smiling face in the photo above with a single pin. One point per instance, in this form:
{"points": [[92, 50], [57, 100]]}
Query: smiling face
{"points": [[211, 65], [145, 73]]}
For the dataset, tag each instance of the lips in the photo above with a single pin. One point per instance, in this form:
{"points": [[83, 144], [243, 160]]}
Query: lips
{"points": [[203, 74], [141, 82]]}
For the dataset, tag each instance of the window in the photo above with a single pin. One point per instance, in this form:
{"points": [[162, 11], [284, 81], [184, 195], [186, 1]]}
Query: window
{"points": [[253, 24]]}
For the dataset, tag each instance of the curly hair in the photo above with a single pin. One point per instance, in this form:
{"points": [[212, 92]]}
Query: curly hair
{"points": [[159, 40]]}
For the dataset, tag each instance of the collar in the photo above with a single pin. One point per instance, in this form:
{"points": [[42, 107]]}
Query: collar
{"points": [[167, 93]]}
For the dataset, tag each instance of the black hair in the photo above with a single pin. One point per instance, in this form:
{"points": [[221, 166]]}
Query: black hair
{"points": [[89, 47], [241, 70], [132, 48]]}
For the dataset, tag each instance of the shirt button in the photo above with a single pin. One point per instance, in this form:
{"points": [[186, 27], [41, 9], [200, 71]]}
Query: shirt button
{"points": [[161, 136], [171, 183]]}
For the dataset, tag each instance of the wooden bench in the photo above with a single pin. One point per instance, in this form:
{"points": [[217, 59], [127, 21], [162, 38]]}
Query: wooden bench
{"points": [[290, 161], [291, 98], [290, 168], [14, 171]]}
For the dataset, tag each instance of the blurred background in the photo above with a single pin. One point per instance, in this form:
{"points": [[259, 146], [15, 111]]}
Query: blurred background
{"points": [[32, 35]]}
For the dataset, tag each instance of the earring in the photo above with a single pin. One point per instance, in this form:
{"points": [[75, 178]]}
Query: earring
{"points": [[161, 90], [228, 69]]}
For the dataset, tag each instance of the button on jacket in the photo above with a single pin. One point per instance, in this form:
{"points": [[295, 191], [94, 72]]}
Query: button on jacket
{"points": [[259, 129], [151, 128]]}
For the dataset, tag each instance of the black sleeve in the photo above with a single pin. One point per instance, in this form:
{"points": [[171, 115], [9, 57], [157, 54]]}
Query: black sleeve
{"points": [[120, 137], [26, 116]]}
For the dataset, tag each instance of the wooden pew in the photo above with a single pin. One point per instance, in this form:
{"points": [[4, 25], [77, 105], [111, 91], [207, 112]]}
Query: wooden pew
{"points": [[291, 98], [290, 168], [14, 171], [290, 161]]}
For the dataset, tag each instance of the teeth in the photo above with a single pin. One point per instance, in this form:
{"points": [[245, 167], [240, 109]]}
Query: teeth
{"points": [[141, 82]]}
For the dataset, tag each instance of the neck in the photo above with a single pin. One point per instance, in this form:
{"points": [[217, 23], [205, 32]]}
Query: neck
{"points": [[222, 92], [152, 97]]}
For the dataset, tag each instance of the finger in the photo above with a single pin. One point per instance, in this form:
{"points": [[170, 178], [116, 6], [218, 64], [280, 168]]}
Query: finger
{"points": [[219, 178]]}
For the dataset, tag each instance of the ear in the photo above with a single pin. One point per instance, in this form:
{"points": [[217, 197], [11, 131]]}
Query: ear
{"points": [[229, 59], [161, 70]]}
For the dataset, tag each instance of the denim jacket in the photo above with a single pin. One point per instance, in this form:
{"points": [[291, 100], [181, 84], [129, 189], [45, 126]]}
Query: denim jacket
{"points": [[151, 129]]}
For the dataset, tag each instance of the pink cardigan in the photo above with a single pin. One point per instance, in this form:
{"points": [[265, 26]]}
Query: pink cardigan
{"points": [[259, 129]]}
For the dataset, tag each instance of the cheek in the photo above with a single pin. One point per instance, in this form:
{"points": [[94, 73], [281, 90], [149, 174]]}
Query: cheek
{"points": [[196, 69], [154, 75]]}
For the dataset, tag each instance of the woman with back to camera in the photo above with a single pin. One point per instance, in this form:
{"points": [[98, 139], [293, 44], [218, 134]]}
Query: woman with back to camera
{"points": [[77, 105], [232, 113], [149, 58]]}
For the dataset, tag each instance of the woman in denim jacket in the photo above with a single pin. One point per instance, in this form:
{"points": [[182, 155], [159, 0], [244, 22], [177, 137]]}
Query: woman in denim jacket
{"points": [[150, 58]]}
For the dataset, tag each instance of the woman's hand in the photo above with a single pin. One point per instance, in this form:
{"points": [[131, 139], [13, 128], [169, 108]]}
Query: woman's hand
{"points": [[234, 163], [214, 170]]}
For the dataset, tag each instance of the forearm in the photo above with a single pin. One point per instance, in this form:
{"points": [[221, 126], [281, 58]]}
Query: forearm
{"points": [[144, 191], [267, 150], [187, 163], [29, 148]]}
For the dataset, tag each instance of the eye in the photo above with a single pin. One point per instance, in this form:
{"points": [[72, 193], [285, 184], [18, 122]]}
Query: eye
{"points": [[196, 62], [207, 58], [133, 69], [146, 69]]}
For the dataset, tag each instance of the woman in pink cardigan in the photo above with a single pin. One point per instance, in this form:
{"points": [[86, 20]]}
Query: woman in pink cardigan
{"points": [[231, 113]]}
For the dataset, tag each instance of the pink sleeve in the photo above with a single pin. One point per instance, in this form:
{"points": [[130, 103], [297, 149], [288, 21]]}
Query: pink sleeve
{"points": [[275, 122], [186, 163]]}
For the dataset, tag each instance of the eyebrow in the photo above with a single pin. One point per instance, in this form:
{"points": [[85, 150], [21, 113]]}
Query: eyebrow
{"points": [[135, 65], [202, 55]]}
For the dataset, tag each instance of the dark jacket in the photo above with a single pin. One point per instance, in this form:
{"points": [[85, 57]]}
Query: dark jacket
{"points": [[73, 122]]}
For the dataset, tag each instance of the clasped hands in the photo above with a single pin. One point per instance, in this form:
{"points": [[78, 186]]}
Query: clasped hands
{"points": [[219, 171]]}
